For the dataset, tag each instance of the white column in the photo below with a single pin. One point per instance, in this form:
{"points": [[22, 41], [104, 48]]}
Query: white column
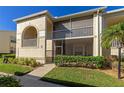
{"points": [[97, 30], [95, 33]]}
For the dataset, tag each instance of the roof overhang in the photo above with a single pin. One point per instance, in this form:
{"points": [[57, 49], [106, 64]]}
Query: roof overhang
{"points": [[114, 11], [45, 12], [114, 16], [79, 14]]}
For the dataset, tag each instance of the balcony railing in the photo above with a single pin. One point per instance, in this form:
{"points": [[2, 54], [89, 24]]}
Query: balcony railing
{"points": [[78, 32], [29, 42]]}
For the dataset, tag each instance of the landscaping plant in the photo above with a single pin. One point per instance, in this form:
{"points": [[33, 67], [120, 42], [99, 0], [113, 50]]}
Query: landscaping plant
{"points": [[114, 33], [24, 61], [84, 61], [9, 81]]}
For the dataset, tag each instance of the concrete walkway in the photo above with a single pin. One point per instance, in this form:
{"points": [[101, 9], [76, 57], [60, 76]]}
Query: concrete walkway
{"points": [[32, 78], [41, 71]]}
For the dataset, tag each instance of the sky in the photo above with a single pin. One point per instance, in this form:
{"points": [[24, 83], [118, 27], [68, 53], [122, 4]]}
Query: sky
{"points": [[8, 13]]}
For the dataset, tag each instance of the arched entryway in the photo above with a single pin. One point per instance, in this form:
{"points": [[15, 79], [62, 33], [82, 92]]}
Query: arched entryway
{"points": [[29, 37]]}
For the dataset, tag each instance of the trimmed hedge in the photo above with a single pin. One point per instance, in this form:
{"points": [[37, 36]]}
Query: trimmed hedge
{"points": [[83, 61]]}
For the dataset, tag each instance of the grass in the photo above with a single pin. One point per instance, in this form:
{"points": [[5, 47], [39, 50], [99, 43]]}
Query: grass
{"points": [[14, 69], [1, 60], [72, 76]]}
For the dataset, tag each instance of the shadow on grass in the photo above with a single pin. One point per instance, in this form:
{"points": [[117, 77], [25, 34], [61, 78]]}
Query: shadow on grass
{"points": [[65, 83]]}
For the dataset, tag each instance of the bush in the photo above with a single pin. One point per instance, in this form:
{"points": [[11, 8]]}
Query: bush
{"points": [[9, 81], [84, 61], [10, 60], [24, 61], [15, 61], [111, 58], [33, 63]]}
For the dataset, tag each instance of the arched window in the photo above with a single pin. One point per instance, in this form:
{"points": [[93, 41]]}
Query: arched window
{"points": [[29, 37]]}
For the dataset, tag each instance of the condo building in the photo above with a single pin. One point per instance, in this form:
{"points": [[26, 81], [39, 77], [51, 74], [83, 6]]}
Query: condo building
{"points": [[43, 36]]}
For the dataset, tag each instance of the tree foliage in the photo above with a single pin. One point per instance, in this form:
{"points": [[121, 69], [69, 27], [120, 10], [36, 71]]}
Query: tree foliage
{"points": [[114, 32]]}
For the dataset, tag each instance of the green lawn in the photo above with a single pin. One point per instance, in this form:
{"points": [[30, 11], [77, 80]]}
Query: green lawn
{"points": [[1, 60], [14, 69], [72, 76]]}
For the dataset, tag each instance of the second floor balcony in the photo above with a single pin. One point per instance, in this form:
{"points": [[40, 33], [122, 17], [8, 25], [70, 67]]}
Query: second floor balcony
{"points": [[76, 32]]}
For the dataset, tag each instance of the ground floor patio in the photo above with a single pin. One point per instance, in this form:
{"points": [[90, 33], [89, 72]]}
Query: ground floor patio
{"points": [[82, 47]]}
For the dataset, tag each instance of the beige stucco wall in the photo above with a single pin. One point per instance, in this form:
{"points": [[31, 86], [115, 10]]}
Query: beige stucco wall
{"points": [[5, 41], [39, 51]]}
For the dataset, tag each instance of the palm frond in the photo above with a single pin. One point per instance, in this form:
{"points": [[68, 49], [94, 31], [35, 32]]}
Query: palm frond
{"points": [[115, 32]]}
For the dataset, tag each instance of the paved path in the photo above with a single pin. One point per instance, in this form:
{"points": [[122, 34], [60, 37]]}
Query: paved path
{"points": [[32, 78], [31, 81], [41, 71]]}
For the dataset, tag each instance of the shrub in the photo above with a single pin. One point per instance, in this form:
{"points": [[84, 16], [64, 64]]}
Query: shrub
{"points": [[33, 63], [85, 61], [24, 61], [111, 58], [20, 61], [15, 61], [10, 57], [10, 60], [9, 81]]}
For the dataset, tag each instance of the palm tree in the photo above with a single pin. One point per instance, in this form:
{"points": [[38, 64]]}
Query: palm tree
{"points": [[114, 33]]}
